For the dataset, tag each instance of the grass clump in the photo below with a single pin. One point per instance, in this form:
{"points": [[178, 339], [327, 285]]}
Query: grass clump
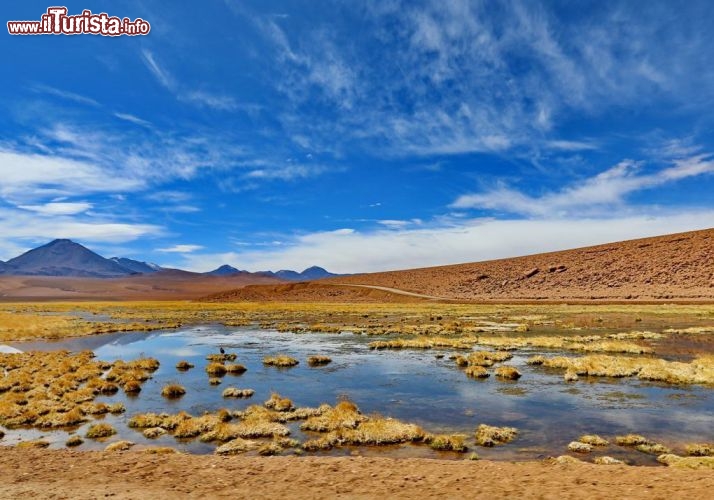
{"points": [[447, 442], [221, 358], [653, 449], [281, 361], [99, 431], [476, 372], [132, 387], [214, 381], [278, 403], [74, 441], [236, 446], [37, 443], [700, 450], [232, 392], [608, 461], [631, 440], [119, 446], [184, 365], [154, 432], [593, 440], [488, 435], [578, 447], [508, 373], [319, 360], [686, 462], [235, 369], [172, 391], [216, 369]]}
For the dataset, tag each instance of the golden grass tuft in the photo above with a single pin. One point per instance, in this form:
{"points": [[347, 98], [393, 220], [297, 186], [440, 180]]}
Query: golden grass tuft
{"points": [[235, 369], [38, 443], [653, 449], [278, 403], [232, 392], [74, 441], [119, 446], [487, 435], [154, 432], [608, 461], [214, 381], [593, 440], [508, 373], [184, 365], [476, 372], [99, 431], [216, 369], [172, 391], [318, 360], [236, 446], [160, 450], [344, 415], [686, 462], [281, 361], [578, 447], [631, 440], [221, 358], [447, 442], [700, 450], [132, 387]]}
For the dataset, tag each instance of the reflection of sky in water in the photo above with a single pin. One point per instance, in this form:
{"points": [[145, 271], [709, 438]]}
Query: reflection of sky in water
{"points": [[409, 385]]}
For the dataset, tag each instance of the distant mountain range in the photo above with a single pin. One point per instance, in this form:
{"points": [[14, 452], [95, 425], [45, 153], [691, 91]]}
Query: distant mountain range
{"points": [[311, 273], [64, 257]]}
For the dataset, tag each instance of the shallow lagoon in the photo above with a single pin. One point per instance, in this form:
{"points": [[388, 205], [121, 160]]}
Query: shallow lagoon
{"points": [[411, 385]]}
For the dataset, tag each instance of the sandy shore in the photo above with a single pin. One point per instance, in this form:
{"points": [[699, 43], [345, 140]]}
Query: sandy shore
{"points": [[66, 474]]}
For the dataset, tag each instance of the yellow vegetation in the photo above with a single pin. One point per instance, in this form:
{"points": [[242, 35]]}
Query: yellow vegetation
{"points": [[232, 392], [173, 391], [282, 361], [319, 360], [487, 435], [98, 431]]}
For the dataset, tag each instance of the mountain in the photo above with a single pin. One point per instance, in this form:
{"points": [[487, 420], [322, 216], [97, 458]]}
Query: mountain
{"points": [[2, 266], [674, 267], [224, 270], [64, 258], [136, 266], [311, 273]]}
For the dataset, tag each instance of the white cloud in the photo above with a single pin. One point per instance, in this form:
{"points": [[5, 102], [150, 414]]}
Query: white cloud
{"points": [[180, 249], [286, 173], [29, 175], [605, 189], [71, 96], [162, 76], [471, 241], [58, 208], [133, 119], [215, 101]]}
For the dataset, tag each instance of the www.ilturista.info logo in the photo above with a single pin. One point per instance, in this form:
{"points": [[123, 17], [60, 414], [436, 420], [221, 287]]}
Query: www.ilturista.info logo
{"points": [[57, 22]]}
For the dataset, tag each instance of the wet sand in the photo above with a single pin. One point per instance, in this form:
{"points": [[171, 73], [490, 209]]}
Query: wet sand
{"points": [[133, 474]]}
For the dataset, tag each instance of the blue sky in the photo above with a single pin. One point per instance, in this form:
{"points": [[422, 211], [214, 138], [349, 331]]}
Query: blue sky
{"points": [[359, 136]]}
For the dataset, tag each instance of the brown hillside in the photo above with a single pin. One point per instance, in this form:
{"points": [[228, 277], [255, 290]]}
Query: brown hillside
{"points": [[671, 267], [164, 285]]}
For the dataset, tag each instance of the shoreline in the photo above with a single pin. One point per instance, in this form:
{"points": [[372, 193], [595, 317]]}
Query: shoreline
{"points": [[135, 474]]}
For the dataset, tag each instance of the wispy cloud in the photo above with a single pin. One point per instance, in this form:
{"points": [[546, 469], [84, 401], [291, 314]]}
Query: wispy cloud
{"points": [[133, 119], [58, 208], [201, 98], [64, 94], [180, 249], [161, 75], [603, 190]]}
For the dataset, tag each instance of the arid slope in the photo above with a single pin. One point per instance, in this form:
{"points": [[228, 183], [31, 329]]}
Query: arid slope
{"points": [[671, 267], [164, 285]]}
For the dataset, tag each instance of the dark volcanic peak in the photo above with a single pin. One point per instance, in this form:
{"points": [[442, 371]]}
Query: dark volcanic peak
{"points": [[311, 273], [136, 266], [316, 273], [64, 258], [224, 270]]}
